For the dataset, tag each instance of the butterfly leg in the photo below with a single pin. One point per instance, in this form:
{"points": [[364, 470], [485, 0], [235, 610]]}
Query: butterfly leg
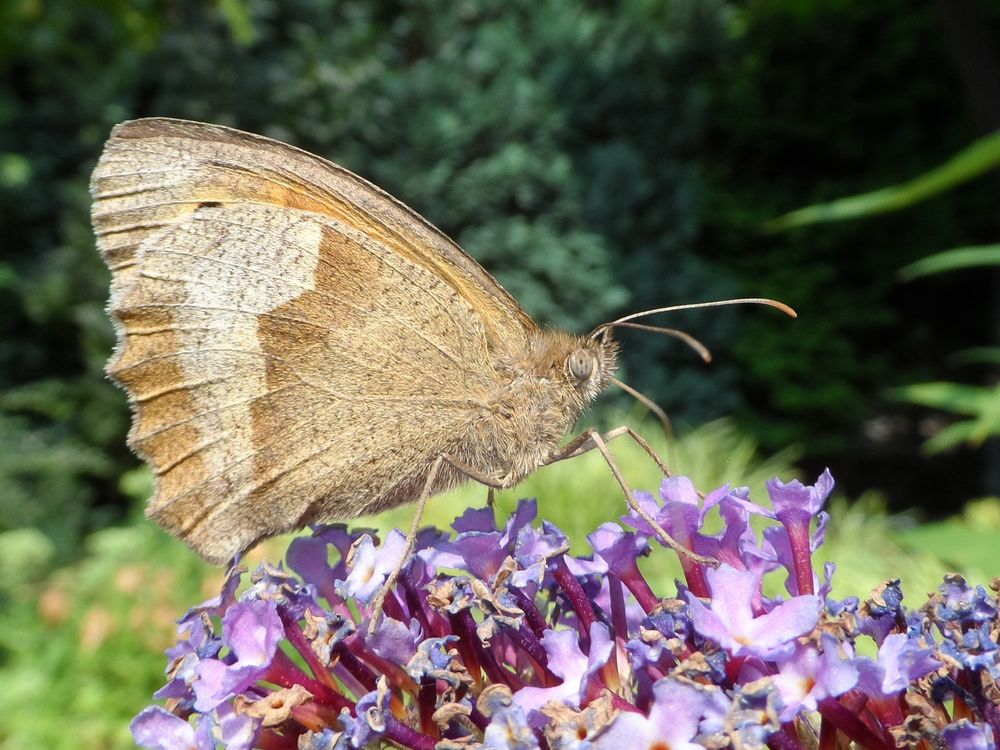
{"points": [[592, 439], [411, 537], [584, 443]]}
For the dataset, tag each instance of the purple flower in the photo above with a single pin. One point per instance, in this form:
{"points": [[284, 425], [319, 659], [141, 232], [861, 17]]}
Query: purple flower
{"points": [[620, 551], [673, 721], [252, 630], [752, 717], [680, 515], [730, 620], [795, 505], [236, 730], [810, 675], [157, 729], [395, 641], [508, 728], [964, 735], [370, 567], [566, 660], [795, 502], [307, 556], [738, 545], [959, 602], [480, 548], [901, 661], [531, 643]]}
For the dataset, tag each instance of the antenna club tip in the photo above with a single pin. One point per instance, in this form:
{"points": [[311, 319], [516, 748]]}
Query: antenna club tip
{"points": [[786, 309]]}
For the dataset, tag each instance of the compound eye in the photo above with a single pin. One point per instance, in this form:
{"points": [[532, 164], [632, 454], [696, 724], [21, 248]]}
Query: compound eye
{"points": [[580, 364]]}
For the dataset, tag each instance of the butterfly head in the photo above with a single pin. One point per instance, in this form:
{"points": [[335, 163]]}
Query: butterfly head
{"points": [[590, 364]]}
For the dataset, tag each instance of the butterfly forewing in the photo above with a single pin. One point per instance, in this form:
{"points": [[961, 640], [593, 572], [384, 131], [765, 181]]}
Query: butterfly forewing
{"points": [[156, 169], [298, 346]]}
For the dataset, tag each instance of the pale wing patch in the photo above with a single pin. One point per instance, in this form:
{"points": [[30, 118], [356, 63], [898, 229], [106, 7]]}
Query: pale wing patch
{"points": [[238, 166], [223, 288]]}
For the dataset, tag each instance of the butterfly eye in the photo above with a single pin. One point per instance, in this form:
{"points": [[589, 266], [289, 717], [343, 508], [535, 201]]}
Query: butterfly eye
{"points": [[580, 364]]}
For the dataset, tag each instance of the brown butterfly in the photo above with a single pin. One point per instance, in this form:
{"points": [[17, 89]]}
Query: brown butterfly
{"points": [[301, 347]]}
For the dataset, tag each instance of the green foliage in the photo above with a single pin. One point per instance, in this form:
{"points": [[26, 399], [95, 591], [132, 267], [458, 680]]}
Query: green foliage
{"points": [[972, 161], [952, 260], [979, 403], [965, 543], [81, 649], [870, 547], [797, 117]]}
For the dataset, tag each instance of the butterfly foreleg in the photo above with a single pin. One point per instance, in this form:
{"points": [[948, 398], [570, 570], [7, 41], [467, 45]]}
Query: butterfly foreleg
{"points": [[592, 439], [411, 536], [584, 442]]}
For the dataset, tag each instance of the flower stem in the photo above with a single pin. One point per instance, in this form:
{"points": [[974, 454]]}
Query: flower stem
{"points": [[784, 739], [798, 538], [398, 732], [851, 725], [827, 734], [271, 740], [414, 603], [392, 608], [577, 598], [694, 575], [468, 652], [528, 643], [426, 700], [532, 615], [286, 673], [640, 589], [466, 630], [298, 640], [623, 705], [354, 665]]}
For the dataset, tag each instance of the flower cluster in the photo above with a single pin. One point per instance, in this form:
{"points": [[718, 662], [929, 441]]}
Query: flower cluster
{"points": [[499, 638]]}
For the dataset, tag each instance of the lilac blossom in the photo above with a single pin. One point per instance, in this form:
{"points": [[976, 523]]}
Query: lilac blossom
{"points": [[673, 721], [158, 729], [531, 648], [811, 675], [252, 629], [731, 621]]}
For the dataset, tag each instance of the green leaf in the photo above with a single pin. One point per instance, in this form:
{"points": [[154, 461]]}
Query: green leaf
{"points": [[950, 437], [15, 171], [982, 404], [978, 158], [953, 397], [978, 355], [238, 16], [952, 260], [960, 545]]}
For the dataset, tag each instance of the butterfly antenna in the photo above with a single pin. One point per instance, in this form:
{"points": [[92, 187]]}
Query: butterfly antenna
{"points": [[696, 306], [649, 403], [687, 338]]}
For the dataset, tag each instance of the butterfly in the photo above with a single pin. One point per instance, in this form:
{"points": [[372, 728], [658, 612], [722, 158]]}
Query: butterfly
{"points": [[298, 346]]}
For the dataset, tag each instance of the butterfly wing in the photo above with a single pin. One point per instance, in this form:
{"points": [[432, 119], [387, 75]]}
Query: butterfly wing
{"points": [[297, 345], [183, 163]]}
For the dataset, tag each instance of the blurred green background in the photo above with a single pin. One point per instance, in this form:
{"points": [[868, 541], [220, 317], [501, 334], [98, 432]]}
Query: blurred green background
{"points": [[598, 158]]}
